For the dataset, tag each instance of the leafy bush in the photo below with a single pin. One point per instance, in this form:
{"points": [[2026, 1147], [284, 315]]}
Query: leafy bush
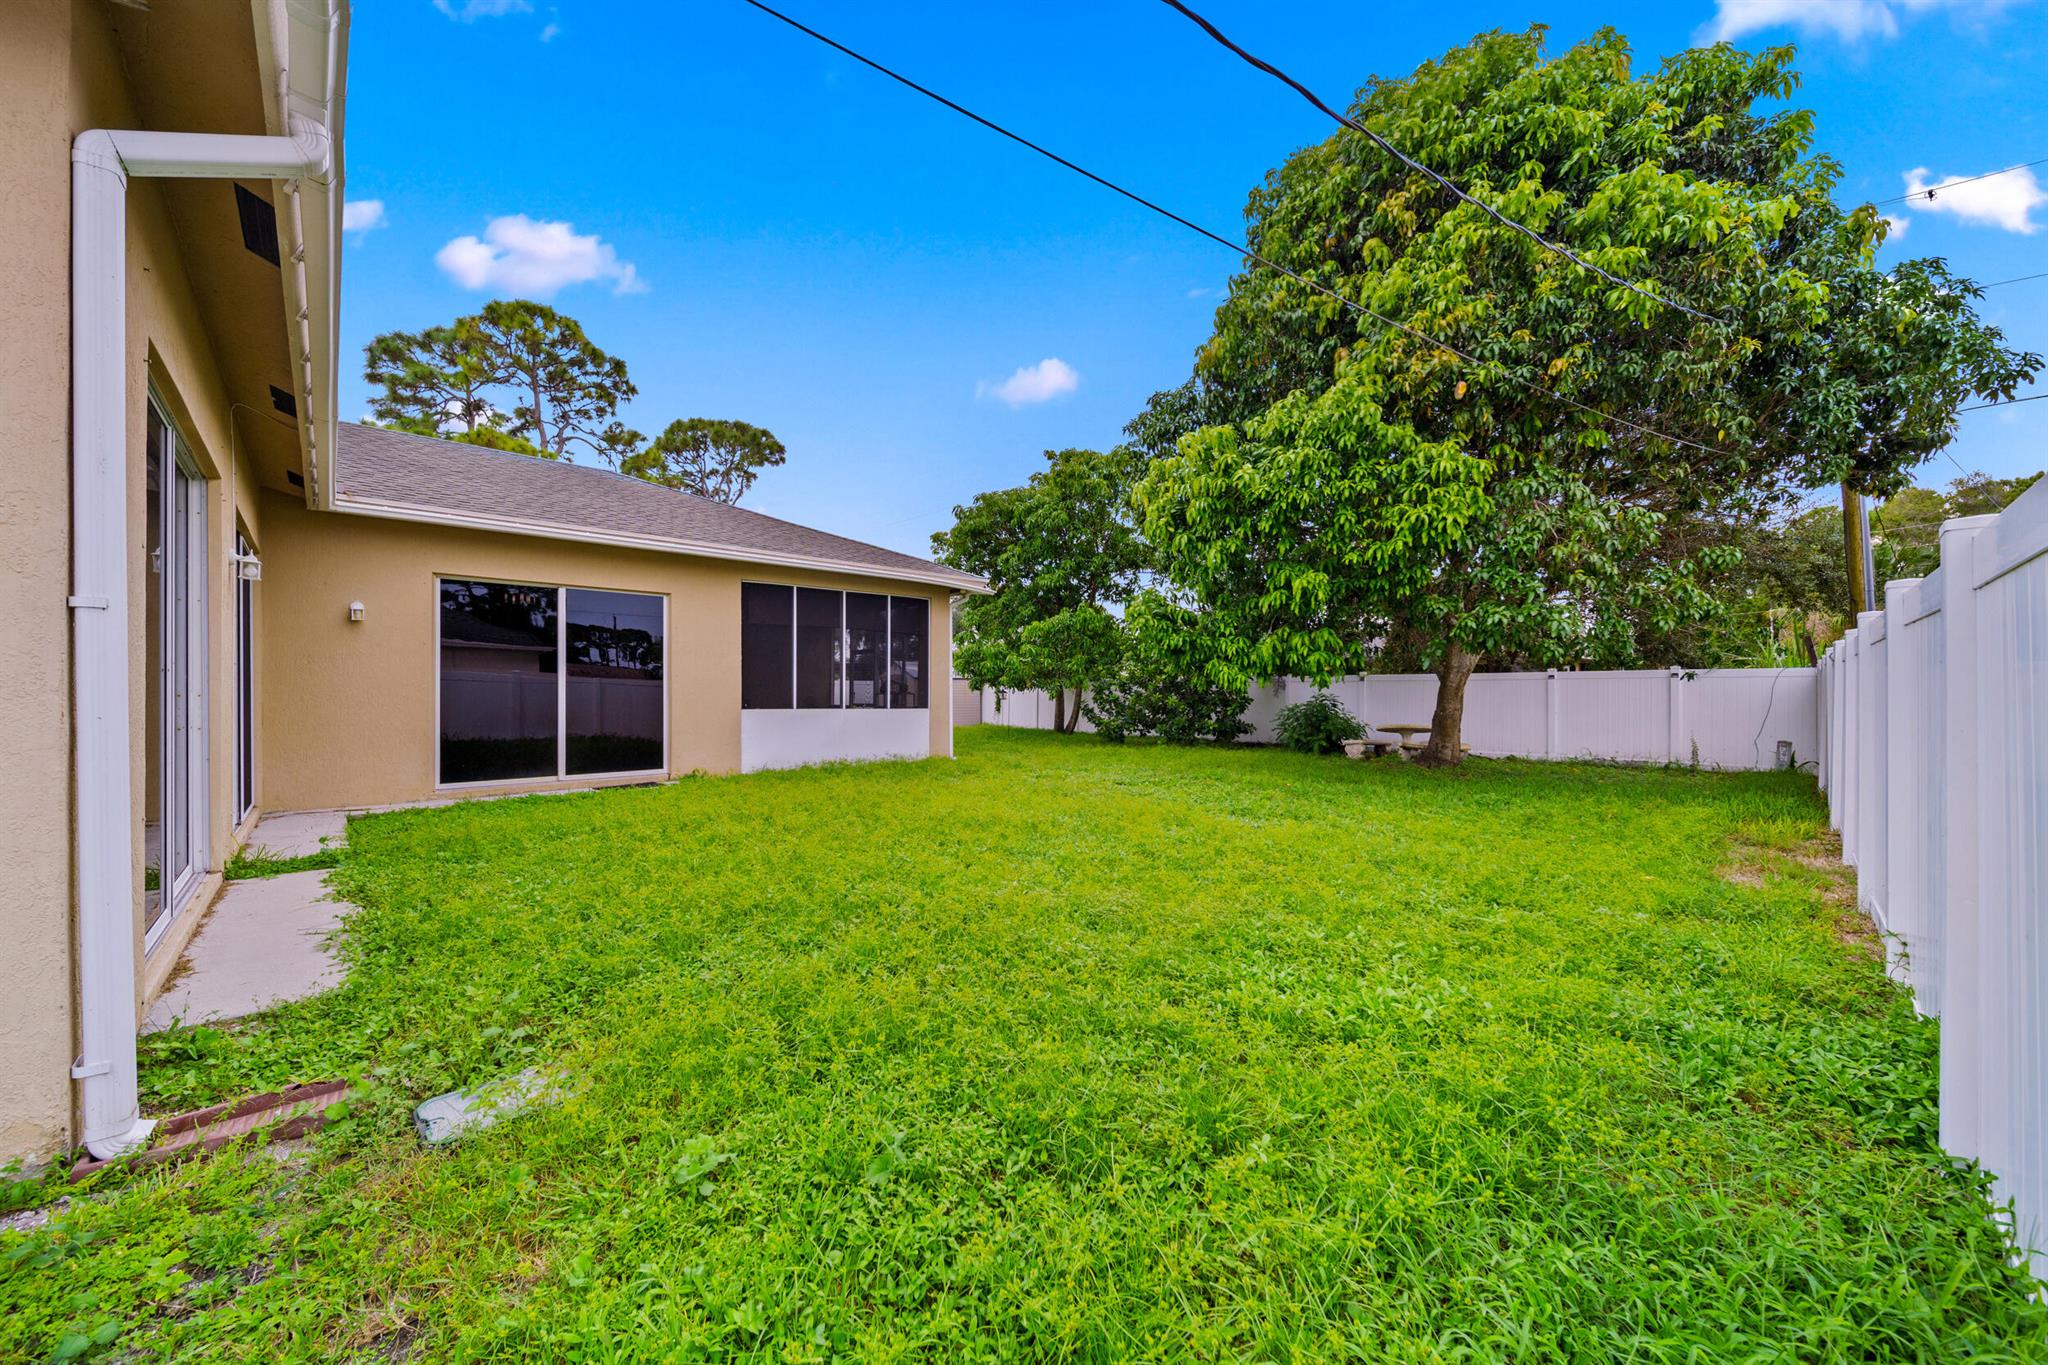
{"points": [[1319, 725], [1145, 701]]}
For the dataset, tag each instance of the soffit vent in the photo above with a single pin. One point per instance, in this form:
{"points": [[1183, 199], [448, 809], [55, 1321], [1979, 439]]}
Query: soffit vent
{"points": [[283, 401], [295, 478], [259, 224]]}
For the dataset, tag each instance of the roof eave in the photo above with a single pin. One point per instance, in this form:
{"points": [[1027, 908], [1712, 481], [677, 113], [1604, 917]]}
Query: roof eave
{"points": [[434, 516], [303, 46]]}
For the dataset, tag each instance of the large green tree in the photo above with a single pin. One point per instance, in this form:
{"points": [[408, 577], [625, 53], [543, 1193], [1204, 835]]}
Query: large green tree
{"points": [[432, 381], [1059, 553], [1496, 480], [703, 455], [568, 389], [517, 376]]}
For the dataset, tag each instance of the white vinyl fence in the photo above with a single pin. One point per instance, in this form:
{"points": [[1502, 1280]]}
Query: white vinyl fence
{"points": [[1934, 757], [1721, 718]]}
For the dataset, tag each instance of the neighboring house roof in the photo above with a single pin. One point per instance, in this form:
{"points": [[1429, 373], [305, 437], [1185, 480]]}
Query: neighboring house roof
{"points": [[422, 478]]}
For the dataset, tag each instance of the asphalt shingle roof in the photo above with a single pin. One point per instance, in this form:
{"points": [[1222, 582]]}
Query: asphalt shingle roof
{"points": [[448, 479]]}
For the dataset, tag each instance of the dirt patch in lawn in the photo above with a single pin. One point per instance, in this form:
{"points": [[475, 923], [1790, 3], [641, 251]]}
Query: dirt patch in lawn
{"points": [[1817, 862]]}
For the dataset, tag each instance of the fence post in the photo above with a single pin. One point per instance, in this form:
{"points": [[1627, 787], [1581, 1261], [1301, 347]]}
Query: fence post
{"points": [[1904, 783], [1674, 711], [1970, 1025], [1553, 715]]}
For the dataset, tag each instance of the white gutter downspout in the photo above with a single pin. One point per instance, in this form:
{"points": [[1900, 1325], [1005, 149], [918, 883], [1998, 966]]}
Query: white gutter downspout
{"points": [[101, 163]]}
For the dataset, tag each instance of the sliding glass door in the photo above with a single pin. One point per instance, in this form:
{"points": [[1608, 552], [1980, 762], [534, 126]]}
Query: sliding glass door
{"points": [[544, 682], [175, 784]]}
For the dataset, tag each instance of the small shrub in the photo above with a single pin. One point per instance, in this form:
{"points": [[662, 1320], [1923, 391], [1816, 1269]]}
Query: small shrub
{"points": [[1319, 725], [1177, 710]]}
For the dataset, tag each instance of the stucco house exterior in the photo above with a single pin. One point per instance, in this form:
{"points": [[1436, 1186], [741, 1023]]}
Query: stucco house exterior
{"points": [[222, 601]]}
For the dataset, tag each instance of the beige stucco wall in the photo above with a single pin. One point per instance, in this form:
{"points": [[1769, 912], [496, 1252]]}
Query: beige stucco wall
{"points": [[349, 717], [35, 724], [60, 73]]}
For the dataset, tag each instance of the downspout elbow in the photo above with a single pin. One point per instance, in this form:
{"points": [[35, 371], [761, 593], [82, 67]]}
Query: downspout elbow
{"points": [[316, 149], [95, 149]]}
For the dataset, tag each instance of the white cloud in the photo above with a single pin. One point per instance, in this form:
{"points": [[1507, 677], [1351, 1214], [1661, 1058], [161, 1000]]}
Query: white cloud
{"points": [[1896, 227], [547, 34], [360, 215], [1850, 20], [1200, 293], [1039, 383], [518, 255], [469, 11], [2003, 201]]}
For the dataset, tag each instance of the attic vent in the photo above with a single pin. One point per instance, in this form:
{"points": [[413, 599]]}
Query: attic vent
{"points": [[295, 478], [283, 402], [259, 224]]}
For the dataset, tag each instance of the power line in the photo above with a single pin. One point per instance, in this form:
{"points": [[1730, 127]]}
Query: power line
{"points": [[1239, 248], [1934, 190], [2017, 279], [1391, 150], [2004, 403]]}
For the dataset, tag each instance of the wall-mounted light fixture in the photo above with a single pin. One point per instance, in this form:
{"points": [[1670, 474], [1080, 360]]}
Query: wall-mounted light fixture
{"points": [[355, 611]]}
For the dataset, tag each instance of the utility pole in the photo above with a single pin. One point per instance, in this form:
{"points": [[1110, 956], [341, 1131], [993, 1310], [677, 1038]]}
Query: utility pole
{"points": [[1857, 551]]}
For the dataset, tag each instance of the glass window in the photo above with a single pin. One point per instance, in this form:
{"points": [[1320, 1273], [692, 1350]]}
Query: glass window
{"points": [[767, 645], [500, 689], [909, 623], [614, 691], [867, 635], [820, 643]]}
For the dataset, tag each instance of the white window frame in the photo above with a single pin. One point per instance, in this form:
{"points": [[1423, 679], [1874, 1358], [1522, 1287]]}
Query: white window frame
{"points": [[245, 680], [562, 773], [193, 807]]}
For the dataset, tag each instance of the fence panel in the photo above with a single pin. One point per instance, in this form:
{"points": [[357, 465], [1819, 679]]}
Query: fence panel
{"points": [[1726, 718], [1936, 769]]}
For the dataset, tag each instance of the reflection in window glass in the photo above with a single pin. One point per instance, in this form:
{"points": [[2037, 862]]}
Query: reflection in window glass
{"points": [[767, 615], [499, 689], [909, 619], [867, 634], [614, 699], [819, 642]]}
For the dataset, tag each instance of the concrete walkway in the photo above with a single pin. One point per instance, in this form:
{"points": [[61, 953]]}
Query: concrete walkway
{"points": [[299, 833], [263, 944]]}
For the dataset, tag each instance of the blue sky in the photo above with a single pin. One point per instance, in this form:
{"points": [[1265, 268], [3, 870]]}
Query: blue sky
{"points": [[765, 230]]}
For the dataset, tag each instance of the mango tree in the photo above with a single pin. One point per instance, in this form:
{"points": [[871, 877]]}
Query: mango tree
{"points": [[1501, 478]]}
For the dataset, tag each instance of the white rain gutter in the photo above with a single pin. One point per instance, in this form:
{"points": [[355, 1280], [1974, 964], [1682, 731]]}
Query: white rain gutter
{"points": [[102, 161]]}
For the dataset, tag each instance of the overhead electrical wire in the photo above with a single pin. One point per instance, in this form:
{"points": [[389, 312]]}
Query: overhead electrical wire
{"points": [[1445, 181], [1240, 248], [1934, 191], [2017, 279], [2005, 403]]}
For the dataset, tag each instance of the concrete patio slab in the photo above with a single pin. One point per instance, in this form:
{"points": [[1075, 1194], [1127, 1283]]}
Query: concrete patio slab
{"points": [[299, 833], [263, 944]]}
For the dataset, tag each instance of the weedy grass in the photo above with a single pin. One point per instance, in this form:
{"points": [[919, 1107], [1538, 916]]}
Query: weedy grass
{"points": [[261, 862], [1075, 1051]]}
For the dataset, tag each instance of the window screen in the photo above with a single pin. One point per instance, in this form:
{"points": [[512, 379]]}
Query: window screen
{"points": [[909, 624], [499, 686], [819, 646], [767, 615], [614, 699], [867, 646]]}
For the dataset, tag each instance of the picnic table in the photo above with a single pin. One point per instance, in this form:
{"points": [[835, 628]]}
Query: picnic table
{"points": [[1410, 744]]}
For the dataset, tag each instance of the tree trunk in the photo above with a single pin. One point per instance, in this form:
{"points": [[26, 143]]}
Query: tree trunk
{"points": [[1059, 710], [1445, 748], [1074, 716]]}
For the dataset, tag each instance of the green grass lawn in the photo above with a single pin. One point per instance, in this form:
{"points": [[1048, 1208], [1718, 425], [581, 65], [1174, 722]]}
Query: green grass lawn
{"points": [[1073, 1051]]}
